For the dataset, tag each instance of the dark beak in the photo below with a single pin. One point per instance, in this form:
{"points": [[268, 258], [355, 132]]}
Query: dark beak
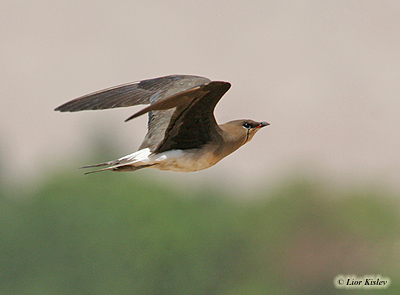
{"points": [[262, 124]]}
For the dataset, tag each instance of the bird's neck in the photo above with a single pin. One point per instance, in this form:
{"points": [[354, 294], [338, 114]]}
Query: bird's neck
{"points": [[230, 142]]}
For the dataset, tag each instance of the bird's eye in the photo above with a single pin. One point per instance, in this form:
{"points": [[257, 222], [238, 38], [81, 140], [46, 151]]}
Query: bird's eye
{"points": [[247, 125]]}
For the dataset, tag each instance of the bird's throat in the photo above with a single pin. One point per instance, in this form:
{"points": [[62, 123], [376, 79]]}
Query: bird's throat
{"points": [[247, 136]]}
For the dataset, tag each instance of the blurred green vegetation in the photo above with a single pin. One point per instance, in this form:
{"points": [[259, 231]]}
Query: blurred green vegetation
{"points": [[117, 233]]}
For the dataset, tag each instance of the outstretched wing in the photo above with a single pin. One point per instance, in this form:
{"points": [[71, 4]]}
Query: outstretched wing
{"points": [[149, 91], [135, 93], [191, 122]]}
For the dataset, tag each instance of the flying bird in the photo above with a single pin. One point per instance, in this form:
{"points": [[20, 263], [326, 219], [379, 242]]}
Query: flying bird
{"points": [[183, 134]]}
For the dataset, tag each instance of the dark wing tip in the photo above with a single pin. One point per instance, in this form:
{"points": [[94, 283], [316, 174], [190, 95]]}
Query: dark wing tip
{"points": [[217, 86], [59, 109], [70, 106], [132, 117]]}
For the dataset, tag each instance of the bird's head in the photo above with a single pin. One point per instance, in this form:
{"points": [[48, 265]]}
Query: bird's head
{"points": [[241, 131], [247, 128]]}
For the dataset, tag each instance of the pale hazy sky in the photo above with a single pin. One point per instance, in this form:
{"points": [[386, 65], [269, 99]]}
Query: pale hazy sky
{"points": [[325, 74]]}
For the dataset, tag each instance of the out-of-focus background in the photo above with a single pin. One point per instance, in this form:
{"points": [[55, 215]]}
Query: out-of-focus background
{"points": [[314, 195]]}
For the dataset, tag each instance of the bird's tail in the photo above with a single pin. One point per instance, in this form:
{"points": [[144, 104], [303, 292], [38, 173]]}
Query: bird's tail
{"points": [[111, 165], [130, 162], [118, 168]]}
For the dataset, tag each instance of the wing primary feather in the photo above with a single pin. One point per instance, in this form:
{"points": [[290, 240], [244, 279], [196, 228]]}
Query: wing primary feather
{"points": [[134, 93]]}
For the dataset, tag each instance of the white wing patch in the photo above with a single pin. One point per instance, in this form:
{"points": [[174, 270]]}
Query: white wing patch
{"points": [[139, 156]]}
